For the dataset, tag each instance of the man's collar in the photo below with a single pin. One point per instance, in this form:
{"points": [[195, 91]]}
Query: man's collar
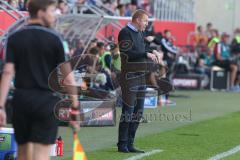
{"points": [[132, 27]]}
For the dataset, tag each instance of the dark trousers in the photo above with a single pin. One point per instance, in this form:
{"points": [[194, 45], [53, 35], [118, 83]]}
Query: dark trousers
{"points": [[133, 96]]}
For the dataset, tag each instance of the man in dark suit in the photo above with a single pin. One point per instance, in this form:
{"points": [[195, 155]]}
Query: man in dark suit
{"points": [[133, 82]]}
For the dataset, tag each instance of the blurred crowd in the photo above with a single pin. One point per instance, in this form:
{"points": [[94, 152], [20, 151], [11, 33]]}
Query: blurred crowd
{"points": [[210, 48], [103, 58], [215, 49], [116, 7]]}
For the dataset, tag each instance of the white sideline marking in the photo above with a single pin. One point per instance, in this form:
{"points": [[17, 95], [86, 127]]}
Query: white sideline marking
{"points": [[140, 156], [226, 154]]}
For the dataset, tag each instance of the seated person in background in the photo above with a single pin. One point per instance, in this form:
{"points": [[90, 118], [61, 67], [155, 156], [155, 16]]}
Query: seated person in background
{"points": [[79, 48], [201, 66], [100, 81], [105, 61], [169, 54], [225, 47], [62, 7], [116, 59], [92, 44], [104, 57], [235, 45], [91, 60], [200, 37], [115, 64], [221, 54], [168, 48]]}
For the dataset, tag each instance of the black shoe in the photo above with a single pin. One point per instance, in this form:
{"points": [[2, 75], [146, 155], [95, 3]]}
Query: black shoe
{"points": [[123, 149], [134, 150]]}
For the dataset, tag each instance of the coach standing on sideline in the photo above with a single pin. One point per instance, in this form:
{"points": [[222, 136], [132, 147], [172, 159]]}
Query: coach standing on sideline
{"points": [[32, 54], [132, 44]]}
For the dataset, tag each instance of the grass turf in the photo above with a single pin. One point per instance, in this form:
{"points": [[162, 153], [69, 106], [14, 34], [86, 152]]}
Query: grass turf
{"points": [[187, 139], [198, 141]]}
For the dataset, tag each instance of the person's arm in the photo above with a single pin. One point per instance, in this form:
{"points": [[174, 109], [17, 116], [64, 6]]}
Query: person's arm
{"points": [[7, 76], [66, 71], [218, 52], [234, 46], [69, 83], [168, 48]]}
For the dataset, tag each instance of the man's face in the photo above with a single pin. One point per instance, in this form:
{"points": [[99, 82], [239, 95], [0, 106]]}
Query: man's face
{"points": [[213, 33], [142, 22], [63, 7], [48, 16], [93, 44], [80, 44], [101, 51], [226, 39], [209, 26], [168, 34], [14, 4]]}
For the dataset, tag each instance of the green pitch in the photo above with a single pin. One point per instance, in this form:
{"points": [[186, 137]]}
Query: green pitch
{"points": [[201, 125]]}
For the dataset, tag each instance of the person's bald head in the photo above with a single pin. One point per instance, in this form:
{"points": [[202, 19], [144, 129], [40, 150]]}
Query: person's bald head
{"points": [[140, 19]]}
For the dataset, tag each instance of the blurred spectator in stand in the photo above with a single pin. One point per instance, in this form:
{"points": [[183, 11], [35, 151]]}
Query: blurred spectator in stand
{"points": [[225, 46], [220, 61], [25, 4], [168, 54], [79, 48], [115, 64], [124, 2], [146, 5], [121, 10], [77, 8], [62, 7], [200, 37], [116, 59], [14, 4], [168, 48], [235, 45], [203, 63], [92, 44], [71, 4], [91, 2], [105, 61], [21, 5], [201, 66], [91, 59], [201, 48], [215, 39], [104, 57], [131, 8], [209, 27], [113, 6]]}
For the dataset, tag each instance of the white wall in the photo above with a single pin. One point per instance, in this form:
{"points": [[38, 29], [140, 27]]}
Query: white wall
{"points": [[224, 14]]}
